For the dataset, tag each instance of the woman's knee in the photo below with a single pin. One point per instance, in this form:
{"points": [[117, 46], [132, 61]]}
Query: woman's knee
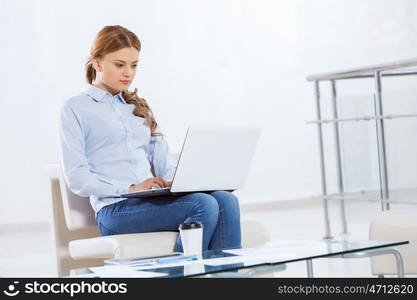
{"points": [[204, 204], [104, 230], [226, 200]]}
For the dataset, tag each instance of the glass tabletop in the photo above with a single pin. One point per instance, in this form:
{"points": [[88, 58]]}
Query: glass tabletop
{"points": [[232, 260]]}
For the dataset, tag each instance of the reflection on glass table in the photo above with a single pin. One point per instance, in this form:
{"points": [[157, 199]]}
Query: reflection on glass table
{"points": [[248, 262]]}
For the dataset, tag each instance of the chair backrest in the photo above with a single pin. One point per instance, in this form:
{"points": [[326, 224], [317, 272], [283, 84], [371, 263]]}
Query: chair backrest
{"points": [[77, 210], [65, 218]]}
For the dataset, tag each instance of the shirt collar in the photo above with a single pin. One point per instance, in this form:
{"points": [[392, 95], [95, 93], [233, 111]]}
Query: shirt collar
{"points": [[99, 94]]}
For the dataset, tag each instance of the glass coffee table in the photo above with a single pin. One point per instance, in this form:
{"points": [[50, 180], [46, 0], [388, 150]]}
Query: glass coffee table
{"points": [[249, 262]]}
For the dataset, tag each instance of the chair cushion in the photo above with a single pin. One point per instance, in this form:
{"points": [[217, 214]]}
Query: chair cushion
{"points": [[254, 234], [395, 226], [124, 245]]}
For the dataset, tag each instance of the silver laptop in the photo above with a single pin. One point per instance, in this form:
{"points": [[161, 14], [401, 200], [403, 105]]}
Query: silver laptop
{"points": [[211, 159]]}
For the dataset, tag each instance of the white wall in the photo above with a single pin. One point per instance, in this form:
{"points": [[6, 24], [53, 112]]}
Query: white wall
{"points": [[205, 61]]}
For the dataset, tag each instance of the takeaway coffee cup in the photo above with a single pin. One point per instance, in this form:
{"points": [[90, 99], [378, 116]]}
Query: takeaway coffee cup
{"points": [[191, 237]]}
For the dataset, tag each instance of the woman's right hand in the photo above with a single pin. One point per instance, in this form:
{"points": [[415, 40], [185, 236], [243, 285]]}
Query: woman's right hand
{"points": [[153, 182]]}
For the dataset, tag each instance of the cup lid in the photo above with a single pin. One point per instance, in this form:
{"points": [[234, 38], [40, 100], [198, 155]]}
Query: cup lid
{"points": [[190, 225]]}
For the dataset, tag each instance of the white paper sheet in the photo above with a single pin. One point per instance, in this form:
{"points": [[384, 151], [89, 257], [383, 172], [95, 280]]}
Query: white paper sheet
{"points": [[160, 265], [280, 246], [271, 252], [123, 271], [233, 260]]}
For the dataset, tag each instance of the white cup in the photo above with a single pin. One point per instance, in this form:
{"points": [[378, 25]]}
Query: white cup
{"points": [[191, 238]]}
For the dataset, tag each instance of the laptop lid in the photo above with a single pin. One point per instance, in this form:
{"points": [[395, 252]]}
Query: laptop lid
{"points": [[215, 158]]}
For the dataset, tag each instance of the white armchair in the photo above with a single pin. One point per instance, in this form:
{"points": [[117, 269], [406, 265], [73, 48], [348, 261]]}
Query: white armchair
{"points": [[78, 244], [395, 225]]}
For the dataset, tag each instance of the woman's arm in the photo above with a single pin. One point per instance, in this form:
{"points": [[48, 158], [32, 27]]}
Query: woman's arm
{"points": [[162, 163], [79, 178]]}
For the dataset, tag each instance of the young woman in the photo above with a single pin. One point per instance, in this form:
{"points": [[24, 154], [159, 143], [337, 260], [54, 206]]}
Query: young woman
{"points": [[111, 144]]}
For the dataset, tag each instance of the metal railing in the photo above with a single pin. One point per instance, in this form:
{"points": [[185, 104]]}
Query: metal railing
{"points": [[375, 72], [387, 69]]}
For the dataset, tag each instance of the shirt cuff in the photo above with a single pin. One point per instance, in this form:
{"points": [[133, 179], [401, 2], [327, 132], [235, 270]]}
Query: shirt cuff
{"points": [[169, 177], [121, 187]]}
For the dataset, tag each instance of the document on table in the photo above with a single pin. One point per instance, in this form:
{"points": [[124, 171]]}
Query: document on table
{"points": [[228, 260], [124, 271], [281, 245], [159, 265], [271, 252], [137, 270]]}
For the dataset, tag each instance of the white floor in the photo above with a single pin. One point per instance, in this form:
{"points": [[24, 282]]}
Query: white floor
{"points": [[26, 251]]}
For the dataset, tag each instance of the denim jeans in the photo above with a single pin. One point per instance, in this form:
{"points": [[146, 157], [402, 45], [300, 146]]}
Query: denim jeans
{"points": [[218, 211]]}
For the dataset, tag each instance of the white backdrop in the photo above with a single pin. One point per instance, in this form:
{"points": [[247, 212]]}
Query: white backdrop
{"points": [[203, 61]]}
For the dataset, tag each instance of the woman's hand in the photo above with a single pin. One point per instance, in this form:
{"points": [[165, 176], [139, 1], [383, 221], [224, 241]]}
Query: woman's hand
{"points": [[154, 182]]}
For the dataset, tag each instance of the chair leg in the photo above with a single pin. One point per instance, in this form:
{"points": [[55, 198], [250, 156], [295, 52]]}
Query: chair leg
{"points": [[380, 251]]}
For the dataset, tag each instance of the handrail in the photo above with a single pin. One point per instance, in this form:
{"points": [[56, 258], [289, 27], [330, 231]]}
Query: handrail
{"points": [[364, 118], [369, 71]]}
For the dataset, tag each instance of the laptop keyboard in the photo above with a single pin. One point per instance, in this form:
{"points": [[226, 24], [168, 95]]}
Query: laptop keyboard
{"points": [[159, 189]]}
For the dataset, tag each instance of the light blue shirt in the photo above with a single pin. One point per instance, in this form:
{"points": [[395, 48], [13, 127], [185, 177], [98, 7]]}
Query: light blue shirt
{"points": [[106, 148]]}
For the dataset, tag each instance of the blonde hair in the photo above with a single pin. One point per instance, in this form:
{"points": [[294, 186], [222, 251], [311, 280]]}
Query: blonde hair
{"points": [[110, 39]]}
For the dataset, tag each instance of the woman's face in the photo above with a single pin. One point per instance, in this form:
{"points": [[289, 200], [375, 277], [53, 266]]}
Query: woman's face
{"points": [[116, 70]]}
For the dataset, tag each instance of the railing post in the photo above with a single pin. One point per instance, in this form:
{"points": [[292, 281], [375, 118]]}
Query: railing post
{"points": [[338, 157], [380, 133], [322, 164]]}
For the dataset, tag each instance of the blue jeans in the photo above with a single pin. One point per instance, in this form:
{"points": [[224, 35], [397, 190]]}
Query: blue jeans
{"points": [[218, 211]]}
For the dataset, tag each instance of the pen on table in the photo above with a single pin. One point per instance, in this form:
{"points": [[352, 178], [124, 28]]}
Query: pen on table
{"points": [[148, 260], [175, 259], [166, 260]]}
